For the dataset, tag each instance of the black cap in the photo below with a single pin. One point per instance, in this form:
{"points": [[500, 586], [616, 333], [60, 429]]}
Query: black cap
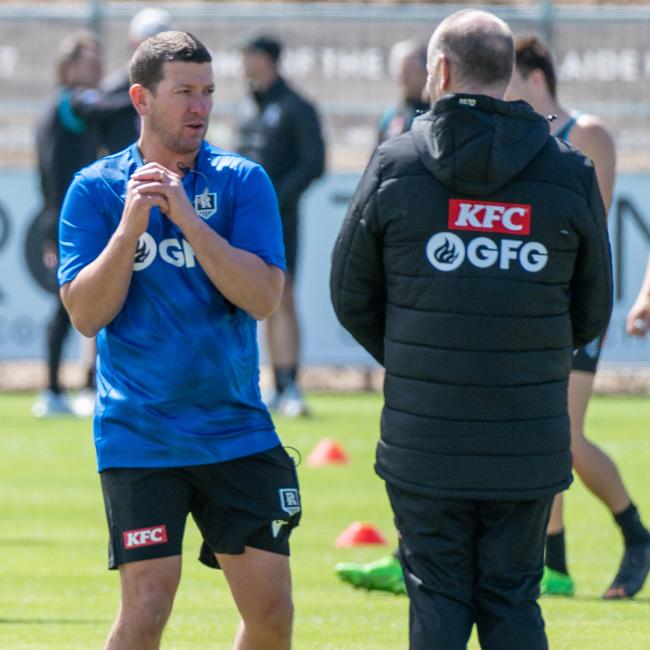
{"points": [[264, 44]]}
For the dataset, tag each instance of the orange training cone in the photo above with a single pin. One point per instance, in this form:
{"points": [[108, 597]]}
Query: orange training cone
{"points": [[327, 452], [359, 533]]}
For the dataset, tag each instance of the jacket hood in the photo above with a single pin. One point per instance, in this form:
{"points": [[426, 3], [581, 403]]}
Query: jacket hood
{"points": [[475, 144]]}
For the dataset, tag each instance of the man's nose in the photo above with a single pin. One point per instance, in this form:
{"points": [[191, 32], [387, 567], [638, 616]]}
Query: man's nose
{"points": [[200, 105]]}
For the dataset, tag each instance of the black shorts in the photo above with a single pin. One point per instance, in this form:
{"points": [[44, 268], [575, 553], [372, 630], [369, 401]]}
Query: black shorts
{"points": [[290, 237], [250, 501], [586, 358]]}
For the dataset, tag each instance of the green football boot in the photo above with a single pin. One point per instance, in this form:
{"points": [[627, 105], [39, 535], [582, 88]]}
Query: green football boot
{"points": [[384, 574], [555, 583]]}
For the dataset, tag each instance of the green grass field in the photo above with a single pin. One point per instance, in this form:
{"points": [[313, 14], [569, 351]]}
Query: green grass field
{"points": [[55, 591]]}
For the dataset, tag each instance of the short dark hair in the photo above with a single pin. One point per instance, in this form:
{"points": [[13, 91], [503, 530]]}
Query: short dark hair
{"points": [[533, 54], [70, 51], [146, 66], [482, 54], [266, 45]]}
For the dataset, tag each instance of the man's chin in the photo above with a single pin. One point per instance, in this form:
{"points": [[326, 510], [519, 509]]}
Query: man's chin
{"points": [[190, 145]]}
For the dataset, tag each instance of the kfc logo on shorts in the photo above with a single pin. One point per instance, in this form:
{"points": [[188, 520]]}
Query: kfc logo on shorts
{"points": [[486, 216], [145, 537]]}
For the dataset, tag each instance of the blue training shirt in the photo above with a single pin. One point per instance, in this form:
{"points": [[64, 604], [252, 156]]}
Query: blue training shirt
{"points": [[178, 368]]}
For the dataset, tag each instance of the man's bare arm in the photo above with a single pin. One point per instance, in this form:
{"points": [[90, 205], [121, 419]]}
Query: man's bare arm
{"points": [[594, 140], [638, 320], [97, 294]]}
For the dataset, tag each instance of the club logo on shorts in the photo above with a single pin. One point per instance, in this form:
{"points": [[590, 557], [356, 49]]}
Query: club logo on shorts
{"points": [[290, 500], [487, 216], [145, 253], [276, 526], [145, 537], [205, 204]]}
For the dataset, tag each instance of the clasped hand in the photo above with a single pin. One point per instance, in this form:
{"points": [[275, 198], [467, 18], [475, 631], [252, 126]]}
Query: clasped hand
{"points": [[155, 186]]}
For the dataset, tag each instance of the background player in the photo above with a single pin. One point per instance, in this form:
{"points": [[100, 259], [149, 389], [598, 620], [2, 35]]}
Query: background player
{"points": [[534, 81], [65, 142], [281, 130], [408, 64]]}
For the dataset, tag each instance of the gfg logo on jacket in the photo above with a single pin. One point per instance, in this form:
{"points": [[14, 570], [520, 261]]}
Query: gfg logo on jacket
{"points": [[447, 251], [486, 216]]}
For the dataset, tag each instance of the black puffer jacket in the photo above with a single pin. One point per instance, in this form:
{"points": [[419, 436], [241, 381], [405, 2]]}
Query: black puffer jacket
{"points": [[474, 258]]}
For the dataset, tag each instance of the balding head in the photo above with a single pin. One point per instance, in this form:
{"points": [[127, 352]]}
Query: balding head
{"points": [[479, 51]]}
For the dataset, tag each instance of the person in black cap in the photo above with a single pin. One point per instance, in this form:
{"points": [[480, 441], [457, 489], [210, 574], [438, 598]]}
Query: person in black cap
{"points": [[281, 130]]}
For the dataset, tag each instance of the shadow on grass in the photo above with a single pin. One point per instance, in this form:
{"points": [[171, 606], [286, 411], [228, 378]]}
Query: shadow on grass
{"points": [[52, 621], [25, 541], [595, 599]]}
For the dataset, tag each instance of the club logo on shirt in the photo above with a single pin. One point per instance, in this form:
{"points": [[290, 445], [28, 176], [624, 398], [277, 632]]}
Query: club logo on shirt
{"points": [[487, 216], [205, 204], [145, 253], [447, 251], [145, 537], [290, 500]]}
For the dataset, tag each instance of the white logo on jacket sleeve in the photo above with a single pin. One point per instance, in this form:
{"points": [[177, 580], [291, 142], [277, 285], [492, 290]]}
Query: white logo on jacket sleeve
{"points": [[271, 115]]}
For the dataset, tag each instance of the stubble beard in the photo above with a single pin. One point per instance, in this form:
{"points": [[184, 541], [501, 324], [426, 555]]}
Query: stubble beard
{"points": [[174, 141]]}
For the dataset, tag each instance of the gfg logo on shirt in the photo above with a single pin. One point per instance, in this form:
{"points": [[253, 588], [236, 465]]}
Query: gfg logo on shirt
{"points": [[173, 251], [486, 216], [145, 537], [447, 251]]}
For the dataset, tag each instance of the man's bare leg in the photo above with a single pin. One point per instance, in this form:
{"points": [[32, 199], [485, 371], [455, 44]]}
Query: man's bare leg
{"points": [[148, 590], [260, 583]]}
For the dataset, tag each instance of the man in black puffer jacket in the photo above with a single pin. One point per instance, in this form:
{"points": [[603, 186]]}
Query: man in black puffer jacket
{"points": [[473, 260]]}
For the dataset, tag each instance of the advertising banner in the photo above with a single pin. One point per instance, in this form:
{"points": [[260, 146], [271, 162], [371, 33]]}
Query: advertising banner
{"points": [[26, 301]]}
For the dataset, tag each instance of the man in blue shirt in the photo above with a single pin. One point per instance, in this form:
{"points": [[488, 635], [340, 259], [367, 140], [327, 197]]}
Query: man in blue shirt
{"points": [[170, 250]]}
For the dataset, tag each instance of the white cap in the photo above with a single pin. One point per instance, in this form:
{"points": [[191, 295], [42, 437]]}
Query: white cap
{"points": [[148, 22]]}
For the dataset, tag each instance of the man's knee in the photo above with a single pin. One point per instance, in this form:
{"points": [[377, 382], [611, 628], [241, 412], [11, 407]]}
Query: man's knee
{"points": [[148, 590], [274, 617], [148, 611]]}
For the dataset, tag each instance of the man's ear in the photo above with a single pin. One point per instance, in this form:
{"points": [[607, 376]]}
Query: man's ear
{"points": [[140, 97], [445, 73], [538, 80]]}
